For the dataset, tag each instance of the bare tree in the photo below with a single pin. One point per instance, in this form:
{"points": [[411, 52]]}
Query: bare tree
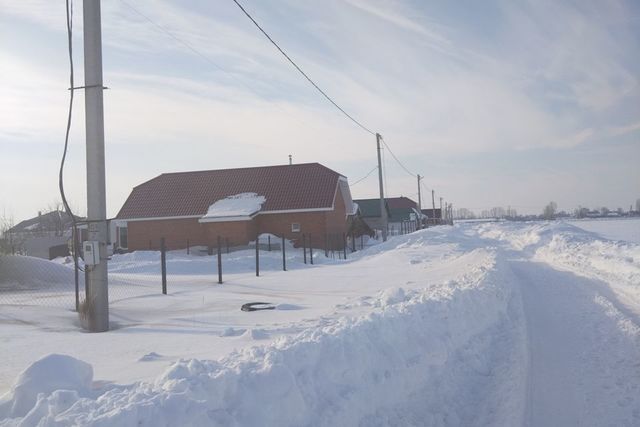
{"points": [[549, 211]]}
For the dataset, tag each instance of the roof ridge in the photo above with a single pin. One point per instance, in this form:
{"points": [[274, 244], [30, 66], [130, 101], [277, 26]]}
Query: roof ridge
{"points": [[244, 168]]}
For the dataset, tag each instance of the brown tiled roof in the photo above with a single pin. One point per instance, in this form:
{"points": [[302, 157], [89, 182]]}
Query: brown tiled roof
{"points": [[401, 203], [286, 187]]}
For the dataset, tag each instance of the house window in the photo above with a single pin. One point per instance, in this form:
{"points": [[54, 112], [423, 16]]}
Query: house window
{"points": [[123, 237], [295, 227]]}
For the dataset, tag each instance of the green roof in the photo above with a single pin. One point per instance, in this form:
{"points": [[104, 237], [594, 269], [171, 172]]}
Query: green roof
{"points": [[370, 208]]}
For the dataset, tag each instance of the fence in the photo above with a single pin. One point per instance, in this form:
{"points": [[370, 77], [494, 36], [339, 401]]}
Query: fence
{"points": [[32, 281]]}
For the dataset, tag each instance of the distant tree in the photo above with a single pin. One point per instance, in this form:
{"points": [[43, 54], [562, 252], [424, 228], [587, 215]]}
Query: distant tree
{"points": [[549, 211], [581, 212], [6, 223], [464, 213]]}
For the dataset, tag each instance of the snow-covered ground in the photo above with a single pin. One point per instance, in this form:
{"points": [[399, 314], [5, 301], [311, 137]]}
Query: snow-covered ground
{"points": [[479, 324], [624, 229]]}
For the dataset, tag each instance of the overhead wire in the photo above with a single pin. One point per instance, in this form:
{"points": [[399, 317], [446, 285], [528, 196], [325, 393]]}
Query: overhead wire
{"points": [[63, 196], [398, 160], [289, 59], [300, 70], [364, 177], [208, 60]]}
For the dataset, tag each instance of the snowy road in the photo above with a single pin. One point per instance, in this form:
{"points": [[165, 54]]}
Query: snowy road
{"points": [[584, 354]]}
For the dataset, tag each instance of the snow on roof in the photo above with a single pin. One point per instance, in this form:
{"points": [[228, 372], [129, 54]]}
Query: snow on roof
{"points": [[239, 207]]}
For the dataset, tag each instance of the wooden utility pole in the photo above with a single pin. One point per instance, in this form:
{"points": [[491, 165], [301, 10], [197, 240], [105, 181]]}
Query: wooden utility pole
{"points": [[383, 211], [419, 204], [434, 214], [433, 204], [97, 302]]}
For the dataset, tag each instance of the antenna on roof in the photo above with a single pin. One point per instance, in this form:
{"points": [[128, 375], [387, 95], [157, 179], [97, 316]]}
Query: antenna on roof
{"points": [[290, 160]]}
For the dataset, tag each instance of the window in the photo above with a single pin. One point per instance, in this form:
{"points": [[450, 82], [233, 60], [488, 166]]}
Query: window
{"points": [[295, 227], [123, 237]]}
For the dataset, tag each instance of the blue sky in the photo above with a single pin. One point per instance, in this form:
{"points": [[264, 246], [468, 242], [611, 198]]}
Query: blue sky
{"points": [[495, 103]]}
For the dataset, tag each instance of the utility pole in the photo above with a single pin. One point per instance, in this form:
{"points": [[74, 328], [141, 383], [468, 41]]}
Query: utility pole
{"points": [[433, 205], [383, 211], [97, 291], [434, 214], [419, 204]]}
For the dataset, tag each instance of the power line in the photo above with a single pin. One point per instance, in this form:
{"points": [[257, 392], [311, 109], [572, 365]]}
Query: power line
{"points": [[397, 160], [63, 196], [300, 70], [208, 60], [364, 177]]}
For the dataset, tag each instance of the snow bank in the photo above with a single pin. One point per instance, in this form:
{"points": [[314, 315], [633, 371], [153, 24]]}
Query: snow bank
{"points": [[615, 262], [239, 205], [20, 273], [405, 362], [567, 247], [61, 377]]}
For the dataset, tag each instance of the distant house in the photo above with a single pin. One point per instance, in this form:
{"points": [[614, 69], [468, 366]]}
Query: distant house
{"points": [[370, 212], [403, 210], [400, 210], [236, 204], [44, 236], [433, 216]]}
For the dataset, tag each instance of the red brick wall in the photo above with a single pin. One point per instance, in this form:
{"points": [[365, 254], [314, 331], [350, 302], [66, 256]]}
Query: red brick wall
{"points": [[237, 232], [177, 231]]}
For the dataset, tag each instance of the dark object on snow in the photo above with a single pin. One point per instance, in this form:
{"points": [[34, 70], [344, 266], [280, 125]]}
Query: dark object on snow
{"points": [[255, 306]]}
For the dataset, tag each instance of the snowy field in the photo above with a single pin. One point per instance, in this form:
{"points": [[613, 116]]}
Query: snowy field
{"points": [[488, 324], [625, 229]]}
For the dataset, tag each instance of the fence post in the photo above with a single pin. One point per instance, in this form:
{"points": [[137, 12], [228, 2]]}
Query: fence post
{"points": [[353, 242], [326, 245], [344, 245], [310, 249], [257, 255], [163, 263], [284, 256], [304, 247], [269, 243], [188, 247], [219, 261]]}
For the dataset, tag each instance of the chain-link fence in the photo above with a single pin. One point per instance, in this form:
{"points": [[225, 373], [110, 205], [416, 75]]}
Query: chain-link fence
{"points": [[33, 281]]}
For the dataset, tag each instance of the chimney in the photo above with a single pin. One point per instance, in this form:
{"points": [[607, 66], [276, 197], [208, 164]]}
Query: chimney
{"points": [[290, 160]]}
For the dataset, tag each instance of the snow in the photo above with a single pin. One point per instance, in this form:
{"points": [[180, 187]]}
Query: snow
{"points": [[234, 207], [478, 324], [623, 229]]}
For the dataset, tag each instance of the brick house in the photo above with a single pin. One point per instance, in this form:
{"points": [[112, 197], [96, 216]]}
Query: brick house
{"points": [[236, 204]]}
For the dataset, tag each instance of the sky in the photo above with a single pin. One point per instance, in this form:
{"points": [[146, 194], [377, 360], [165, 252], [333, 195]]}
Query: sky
{"points": [[495, 103]]}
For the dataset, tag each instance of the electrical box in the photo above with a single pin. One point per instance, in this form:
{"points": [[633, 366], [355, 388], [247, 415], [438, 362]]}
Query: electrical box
{"points": [[91, 251]]}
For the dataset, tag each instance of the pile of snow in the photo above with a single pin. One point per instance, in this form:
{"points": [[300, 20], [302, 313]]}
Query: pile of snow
{"points": [[61, 377], [567, 247], [615, 262], [24, 273], [234, 207]]}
